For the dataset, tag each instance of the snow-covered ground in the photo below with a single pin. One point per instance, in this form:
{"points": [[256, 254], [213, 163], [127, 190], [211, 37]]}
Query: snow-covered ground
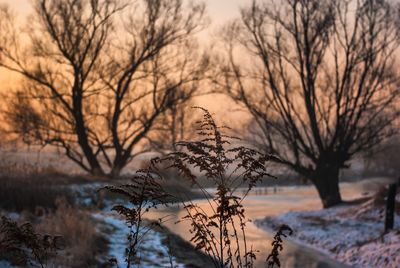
{"points": [[152, 251], [352, 234], [5, 264]]}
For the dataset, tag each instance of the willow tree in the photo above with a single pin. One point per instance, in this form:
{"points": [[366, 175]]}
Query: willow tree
{"points": [[321, 85], [100, 73]]}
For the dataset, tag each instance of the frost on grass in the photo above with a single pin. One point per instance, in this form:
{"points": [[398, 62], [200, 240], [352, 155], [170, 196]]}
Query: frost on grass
{"points": [[351, 234]]}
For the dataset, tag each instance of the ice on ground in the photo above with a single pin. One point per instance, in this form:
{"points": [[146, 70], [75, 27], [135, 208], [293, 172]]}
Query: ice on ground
{"points": [[351, 234], [152, 251], [5, 264]]}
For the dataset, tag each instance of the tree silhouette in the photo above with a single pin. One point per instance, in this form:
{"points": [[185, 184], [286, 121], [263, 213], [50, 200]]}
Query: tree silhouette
{"points": [[321, 86], [98, 74], [176, 125]]}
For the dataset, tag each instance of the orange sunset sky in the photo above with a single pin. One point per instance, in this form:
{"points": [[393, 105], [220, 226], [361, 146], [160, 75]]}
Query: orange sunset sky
{"points": [[219, 12]]}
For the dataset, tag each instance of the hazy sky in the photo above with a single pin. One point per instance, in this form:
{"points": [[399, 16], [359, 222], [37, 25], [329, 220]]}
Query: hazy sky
{"points": [[220, 11]]}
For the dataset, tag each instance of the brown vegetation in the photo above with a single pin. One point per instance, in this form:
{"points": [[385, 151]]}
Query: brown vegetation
{"points": [[21, 245], [82, 244], [33, 191], [277, 246]]}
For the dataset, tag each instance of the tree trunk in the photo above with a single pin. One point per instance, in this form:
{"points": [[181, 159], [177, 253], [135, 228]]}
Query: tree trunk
{"points": [[115, 171], [97, 171], [81, 132], [95, 167], [119, 163], [326, 180]]}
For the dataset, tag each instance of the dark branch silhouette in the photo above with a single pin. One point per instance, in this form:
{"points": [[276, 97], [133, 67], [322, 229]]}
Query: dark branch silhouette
{"points": [[321, 86], [99, 74]]}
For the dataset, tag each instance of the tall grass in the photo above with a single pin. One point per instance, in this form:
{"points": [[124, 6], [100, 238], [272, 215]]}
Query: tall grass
{"points": [[31, 192], [220, 228], [65, 237], [22, 245], [78, 230]]}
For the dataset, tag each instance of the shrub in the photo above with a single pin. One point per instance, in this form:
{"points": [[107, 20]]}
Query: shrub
{"points": [[78, 232], [221, 233], [277, 246], [144, 193], [20, 244]]}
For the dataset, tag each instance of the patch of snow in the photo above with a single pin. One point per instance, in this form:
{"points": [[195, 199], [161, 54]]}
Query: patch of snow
{"points": [[152, 252], [382, 252], [117, 238], [86, 194], [14, 216], [351, 234], [5, 264]]}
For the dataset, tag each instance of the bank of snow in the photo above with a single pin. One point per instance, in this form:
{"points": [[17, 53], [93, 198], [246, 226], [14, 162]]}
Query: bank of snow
{"points": [[152, 251], [352, 234]]}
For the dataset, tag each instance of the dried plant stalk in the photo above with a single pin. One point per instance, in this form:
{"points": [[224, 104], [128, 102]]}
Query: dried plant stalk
{"points": [[221, 233], [143, 193]]}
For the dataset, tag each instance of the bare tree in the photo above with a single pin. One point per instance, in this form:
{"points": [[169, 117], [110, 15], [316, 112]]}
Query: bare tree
{"points": [[321, 86], [176, 125], [98, 74]]}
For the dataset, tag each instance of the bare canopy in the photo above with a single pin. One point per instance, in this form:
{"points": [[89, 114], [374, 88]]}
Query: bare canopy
{"points": [[98, 74], [321, 86]]}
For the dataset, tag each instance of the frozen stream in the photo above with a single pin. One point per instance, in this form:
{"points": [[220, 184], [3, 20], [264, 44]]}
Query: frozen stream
{"points": [[261, 203], [265, 202]]}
